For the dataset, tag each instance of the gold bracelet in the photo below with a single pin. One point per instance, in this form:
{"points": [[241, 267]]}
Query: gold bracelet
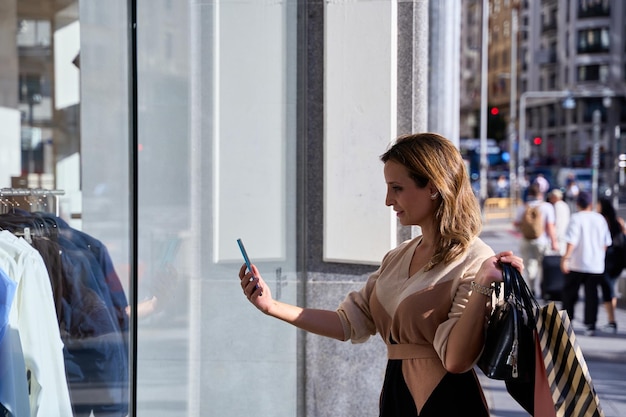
{"points": [[481, 289]]}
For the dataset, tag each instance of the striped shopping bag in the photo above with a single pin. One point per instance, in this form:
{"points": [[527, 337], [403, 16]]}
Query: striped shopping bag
{"points": [[566, 371]]}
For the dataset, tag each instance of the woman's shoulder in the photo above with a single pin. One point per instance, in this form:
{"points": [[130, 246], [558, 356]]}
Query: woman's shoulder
{"points": [[477, 251], [468, 262], [479, 247]]}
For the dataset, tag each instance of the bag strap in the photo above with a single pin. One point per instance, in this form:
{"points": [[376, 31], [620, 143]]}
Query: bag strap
{"points": [[511, 299], [516, 290]]}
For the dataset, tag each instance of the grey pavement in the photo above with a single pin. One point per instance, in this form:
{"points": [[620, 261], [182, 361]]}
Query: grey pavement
{"points": [[605, 353]]}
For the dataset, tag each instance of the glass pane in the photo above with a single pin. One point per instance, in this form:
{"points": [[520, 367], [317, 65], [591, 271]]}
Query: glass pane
{"points": [[217, 145], [64, 207]]}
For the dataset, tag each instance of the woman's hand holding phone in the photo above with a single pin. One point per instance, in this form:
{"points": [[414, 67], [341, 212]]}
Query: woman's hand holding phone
{"points": [[253, 285]]}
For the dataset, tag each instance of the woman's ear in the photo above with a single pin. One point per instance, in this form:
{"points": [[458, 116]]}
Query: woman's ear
{"points": [[434, 193]]}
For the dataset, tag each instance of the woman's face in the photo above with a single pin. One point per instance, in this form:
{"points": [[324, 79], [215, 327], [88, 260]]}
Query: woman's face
{"points": [[413, 205]]}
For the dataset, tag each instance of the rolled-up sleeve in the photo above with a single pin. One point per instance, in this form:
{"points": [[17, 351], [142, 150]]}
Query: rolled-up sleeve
{"points": [[356, 319]]}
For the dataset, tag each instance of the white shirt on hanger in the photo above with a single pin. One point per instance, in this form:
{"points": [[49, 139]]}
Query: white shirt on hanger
{"points": [[33, 314]]}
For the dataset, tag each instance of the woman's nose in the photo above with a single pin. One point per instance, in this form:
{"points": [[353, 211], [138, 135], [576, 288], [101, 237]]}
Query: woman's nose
{"points": [[388, 201]]}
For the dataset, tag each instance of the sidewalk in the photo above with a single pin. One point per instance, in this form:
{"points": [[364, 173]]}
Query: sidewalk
{"points": [[605, 353]]}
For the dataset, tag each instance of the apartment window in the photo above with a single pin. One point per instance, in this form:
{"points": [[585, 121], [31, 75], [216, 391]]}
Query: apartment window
{"points": [[552, 81], [549, 21], [593, 8], [552, 53], [593, 73], [593, 40]]}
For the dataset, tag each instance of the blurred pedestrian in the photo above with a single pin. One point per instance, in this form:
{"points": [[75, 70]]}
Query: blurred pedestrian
{"points": [[502, 186], [587, 238], [542, 182], [562, 215], [533, 249], [615, 261], [571, 191]]}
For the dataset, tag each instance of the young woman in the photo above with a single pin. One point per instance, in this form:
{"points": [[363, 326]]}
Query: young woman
{"points": [[615, 254], [430, 298]]}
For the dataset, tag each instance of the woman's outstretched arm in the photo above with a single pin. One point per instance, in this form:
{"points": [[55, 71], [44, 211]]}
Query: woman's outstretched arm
{"points": [[321, 322]]}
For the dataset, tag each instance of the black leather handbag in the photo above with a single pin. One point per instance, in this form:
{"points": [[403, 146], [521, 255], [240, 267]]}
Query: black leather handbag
{"points": [[509, 352]]}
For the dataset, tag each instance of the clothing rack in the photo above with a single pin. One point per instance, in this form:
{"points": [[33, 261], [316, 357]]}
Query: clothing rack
{"points": [[30, 199]]}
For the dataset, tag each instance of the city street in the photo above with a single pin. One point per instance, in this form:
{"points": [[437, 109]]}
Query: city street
{"points": [[605, 353]]}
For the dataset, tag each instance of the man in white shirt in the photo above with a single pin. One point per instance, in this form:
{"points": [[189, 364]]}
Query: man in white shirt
{"points": [[587, 238]]}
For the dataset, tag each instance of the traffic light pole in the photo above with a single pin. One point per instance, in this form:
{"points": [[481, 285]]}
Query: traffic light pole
{"points": [[483, 102], [513, 179], [595, 157]]}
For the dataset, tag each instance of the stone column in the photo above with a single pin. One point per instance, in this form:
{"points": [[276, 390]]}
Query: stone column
{"points": [[444, 59], [8, 54]]}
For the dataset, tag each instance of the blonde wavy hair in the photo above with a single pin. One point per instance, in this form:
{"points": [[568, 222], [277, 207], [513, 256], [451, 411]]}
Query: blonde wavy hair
{"points": [[430, 157]]}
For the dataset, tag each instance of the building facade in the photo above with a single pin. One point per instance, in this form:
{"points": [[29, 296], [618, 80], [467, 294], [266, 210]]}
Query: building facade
{"points": [[569, 63]]}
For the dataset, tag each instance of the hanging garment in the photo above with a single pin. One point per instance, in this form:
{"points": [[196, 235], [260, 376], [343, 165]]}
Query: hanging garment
{"points": [[84, 241], [33, 315], [90, 311], [13, 385], [95, 354]]}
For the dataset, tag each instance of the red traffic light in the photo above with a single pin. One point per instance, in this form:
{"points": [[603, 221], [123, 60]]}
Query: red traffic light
{"points": [[495, 111], [537, 140]]}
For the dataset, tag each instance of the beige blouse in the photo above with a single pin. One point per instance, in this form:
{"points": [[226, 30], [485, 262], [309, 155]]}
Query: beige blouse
{"points": [[416, 312]]}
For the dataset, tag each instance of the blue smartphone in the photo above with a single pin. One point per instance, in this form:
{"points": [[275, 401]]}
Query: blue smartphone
{"points": [[244, 254]]}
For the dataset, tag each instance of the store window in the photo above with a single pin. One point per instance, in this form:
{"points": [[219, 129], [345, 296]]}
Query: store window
{"points": [[64, 239]]}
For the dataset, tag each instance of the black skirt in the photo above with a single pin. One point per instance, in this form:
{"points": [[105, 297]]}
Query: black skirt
{"points": [[455, 395]]}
